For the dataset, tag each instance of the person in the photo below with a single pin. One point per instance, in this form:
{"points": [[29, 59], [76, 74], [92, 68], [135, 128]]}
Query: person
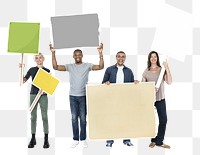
{"points": [[118, 73], [43, 101], [151, 73], [78, 77]]}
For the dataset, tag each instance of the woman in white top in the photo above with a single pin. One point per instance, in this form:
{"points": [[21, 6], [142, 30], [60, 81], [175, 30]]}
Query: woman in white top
{"points": [[151, 73]]}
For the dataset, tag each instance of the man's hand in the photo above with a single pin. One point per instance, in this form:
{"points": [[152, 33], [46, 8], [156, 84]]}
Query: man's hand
{"points": [[107, 82], [100, 49], [51, 48], [136, 82]]}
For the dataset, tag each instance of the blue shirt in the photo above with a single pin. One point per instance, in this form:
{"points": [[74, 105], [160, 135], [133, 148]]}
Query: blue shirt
{"points": [[111, 74]]}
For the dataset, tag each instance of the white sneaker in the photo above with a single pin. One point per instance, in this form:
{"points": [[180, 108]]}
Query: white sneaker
{"points": [[74, 143], [84, 144]]}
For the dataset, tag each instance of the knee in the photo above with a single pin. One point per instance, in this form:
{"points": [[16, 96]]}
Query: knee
{"points": [[33, 118], [45, 118], [83, 119], [74, 118]]}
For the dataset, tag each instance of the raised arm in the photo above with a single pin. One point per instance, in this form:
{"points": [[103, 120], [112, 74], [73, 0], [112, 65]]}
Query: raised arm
{"points": [[101, 61], [167, 76], [54, 62]]}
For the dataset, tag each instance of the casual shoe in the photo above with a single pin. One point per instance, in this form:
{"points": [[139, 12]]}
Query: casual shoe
{"points": [[32, 143], [164, 146], [109, 145], [152, 144], [74, 143], [46, 144], [128, 144], [84, 144]]}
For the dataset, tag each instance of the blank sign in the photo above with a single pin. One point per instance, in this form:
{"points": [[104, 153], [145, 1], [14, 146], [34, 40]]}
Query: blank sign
{"points": [[121, 110], [43, 80], [75, 31], [23, 37]]}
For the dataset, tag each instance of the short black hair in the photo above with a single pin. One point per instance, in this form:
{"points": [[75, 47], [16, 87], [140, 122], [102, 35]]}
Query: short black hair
{"points": [[78, 50], [120, 52]]}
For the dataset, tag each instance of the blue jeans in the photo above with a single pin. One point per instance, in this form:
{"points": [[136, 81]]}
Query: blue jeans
{"points": [[162, 116], [78, 110]]}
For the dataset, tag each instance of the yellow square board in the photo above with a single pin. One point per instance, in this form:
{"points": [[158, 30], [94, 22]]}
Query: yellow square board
{"points": [[43, 80], [121, 110]]}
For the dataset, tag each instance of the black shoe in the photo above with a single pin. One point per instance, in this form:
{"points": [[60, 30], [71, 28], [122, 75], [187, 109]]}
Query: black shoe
{"points": [[128, 143], [46, 144], [32, 143], [109, 145]]}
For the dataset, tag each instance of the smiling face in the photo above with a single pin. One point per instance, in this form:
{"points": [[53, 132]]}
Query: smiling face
{"points": [[120, 57], [39, 59], [78, 56], [153, 59]]}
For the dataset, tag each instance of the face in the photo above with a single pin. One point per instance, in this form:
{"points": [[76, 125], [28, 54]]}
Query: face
{"points": [[78, 57], [39, 59], [121, 57], [153, 58]]}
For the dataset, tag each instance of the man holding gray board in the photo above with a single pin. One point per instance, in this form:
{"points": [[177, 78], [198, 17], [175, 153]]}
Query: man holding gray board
{"points": [[78, 77]]}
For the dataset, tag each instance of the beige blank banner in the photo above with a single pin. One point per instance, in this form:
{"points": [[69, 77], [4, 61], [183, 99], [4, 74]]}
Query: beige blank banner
{"points": [[121, 110]]}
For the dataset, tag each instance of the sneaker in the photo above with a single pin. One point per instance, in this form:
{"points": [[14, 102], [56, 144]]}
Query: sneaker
{"points": [[109, 145], [164, 146], [128, 144], [84, 144], [74, 143]]}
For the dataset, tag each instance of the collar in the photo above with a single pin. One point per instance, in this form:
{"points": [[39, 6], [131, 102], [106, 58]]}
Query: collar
{"points": [[117, 68]]}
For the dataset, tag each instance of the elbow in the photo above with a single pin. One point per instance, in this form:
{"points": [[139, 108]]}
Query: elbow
{"points": [[169, 82], [55, 67]]}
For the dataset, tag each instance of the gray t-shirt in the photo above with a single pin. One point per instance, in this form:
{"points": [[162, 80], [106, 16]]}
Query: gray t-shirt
{"points": [[78, 78], [153, 77]]}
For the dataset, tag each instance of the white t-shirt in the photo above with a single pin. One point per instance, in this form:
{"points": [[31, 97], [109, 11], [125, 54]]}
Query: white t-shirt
{"points": [[120, 75]]}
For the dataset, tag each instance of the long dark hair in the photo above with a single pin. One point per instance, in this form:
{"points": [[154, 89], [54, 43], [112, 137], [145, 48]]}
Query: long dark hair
{"points": [[149, 62]]}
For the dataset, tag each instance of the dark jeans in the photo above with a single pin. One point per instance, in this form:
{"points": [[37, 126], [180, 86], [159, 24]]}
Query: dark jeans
{"points": [[124, 141], [78, 110], [162, 115]]}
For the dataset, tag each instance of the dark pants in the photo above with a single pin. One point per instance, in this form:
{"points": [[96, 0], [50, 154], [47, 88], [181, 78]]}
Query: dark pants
{"points": [[78, 110], [43, 101], [124, 141], [162, 115]]}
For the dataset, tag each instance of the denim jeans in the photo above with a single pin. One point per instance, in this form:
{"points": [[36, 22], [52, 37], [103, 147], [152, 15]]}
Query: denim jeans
{"points": [[78, 111], [162, 115]]}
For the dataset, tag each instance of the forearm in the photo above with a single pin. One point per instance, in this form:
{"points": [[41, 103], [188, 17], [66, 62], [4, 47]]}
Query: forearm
{"points": [[101, 61], [168, 77], [54, 62]]}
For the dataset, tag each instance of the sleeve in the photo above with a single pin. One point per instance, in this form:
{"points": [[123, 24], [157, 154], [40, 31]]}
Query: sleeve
{"points": [[106, 76], [67, 67], [90, 66], [132, 76], [28, 74], [144, 74], [48, 70]]}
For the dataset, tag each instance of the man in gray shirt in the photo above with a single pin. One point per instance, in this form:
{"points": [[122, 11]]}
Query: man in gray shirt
{"points": [[78, 77]]}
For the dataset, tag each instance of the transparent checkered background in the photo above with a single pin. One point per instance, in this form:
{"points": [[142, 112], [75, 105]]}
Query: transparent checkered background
{"points": [[127, 25]]}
